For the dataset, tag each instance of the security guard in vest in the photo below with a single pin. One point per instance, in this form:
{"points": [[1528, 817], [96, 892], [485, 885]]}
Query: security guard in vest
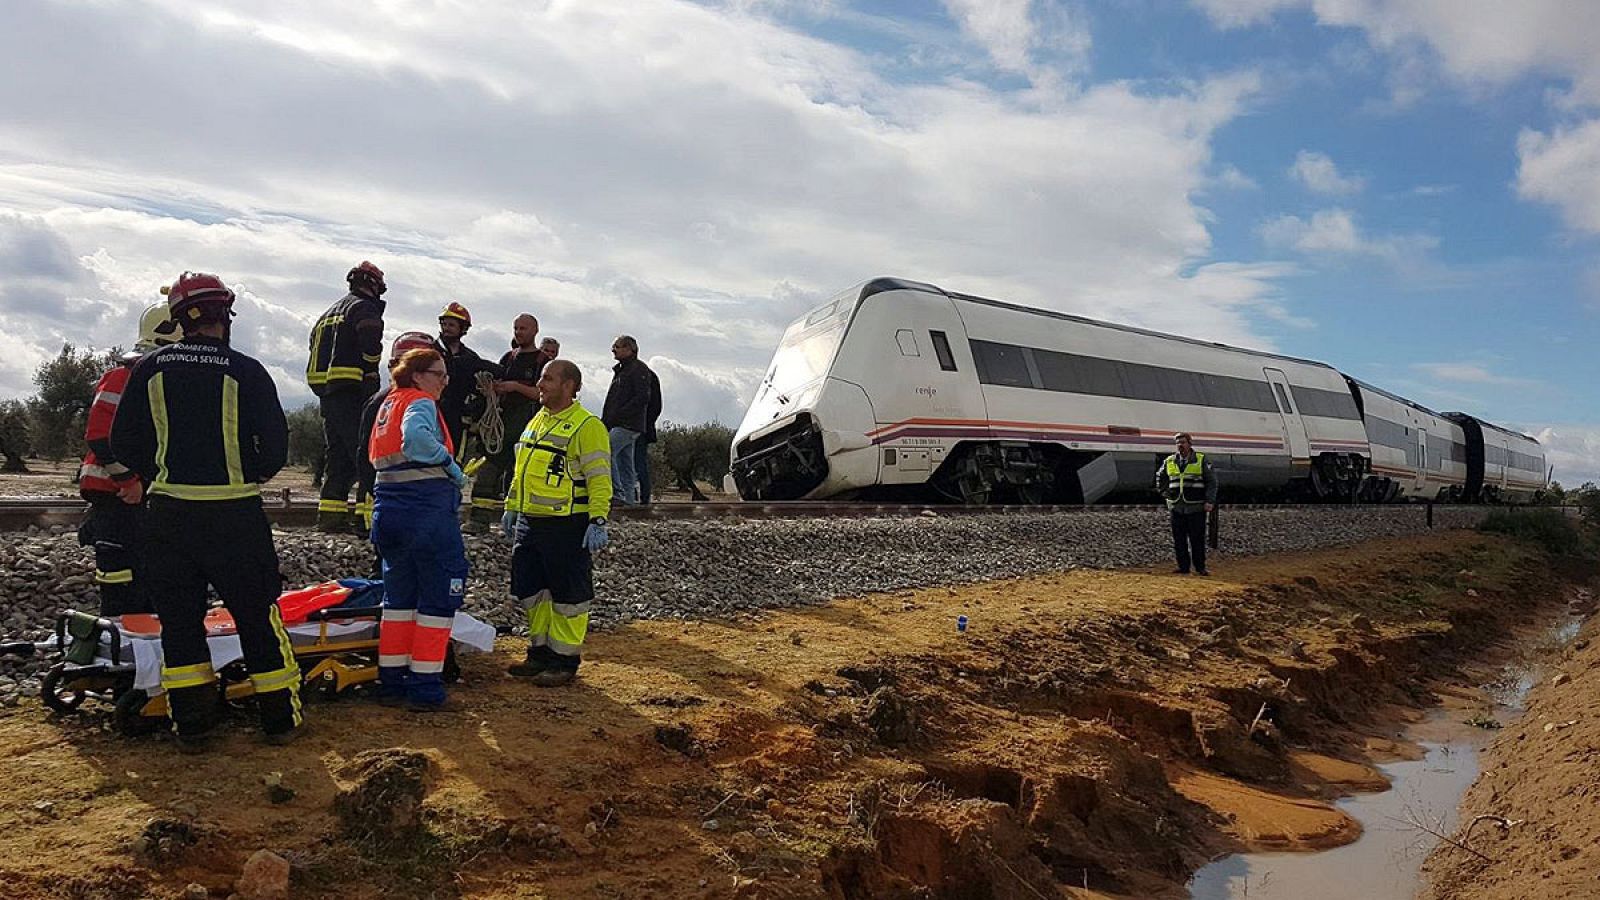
{"points": [[201, 423], [555, 514], [346, 347], [1187, 481]]}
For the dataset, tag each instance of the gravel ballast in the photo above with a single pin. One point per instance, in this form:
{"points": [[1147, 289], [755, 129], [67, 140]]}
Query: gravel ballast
{"points": [[721, 568]]}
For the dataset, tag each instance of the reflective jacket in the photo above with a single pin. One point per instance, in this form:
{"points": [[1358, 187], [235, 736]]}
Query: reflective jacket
{"points": [[409, 441], [101, 472], [200, 420], [563, 466], [1187, 486], [346, 344]]}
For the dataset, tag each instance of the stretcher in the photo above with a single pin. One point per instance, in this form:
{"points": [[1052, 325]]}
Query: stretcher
{"points": [[333, 628]]}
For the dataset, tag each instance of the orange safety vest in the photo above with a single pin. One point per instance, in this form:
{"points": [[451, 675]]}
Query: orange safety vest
{"points": [[385, 448]]}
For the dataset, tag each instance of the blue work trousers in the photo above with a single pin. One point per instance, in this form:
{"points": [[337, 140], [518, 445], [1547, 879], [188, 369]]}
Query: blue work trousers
{"points": [[424, 572]]}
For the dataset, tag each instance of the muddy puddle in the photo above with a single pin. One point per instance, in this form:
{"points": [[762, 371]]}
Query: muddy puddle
{"points": [[1385, 863]]}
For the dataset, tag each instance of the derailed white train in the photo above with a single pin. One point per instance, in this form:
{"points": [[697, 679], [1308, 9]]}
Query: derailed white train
{"points": [[895, 388]]}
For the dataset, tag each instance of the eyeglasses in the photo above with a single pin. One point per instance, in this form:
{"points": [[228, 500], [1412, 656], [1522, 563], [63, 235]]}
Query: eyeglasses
{"points": [[442, 373]]}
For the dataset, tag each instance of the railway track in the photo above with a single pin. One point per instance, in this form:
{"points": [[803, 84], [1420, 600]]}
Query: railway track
{"points": [[18, 515]]}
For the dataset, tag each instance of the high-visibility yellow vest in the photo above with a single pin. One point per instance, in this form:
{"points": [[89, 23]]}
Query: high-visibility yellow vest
{"points": [[563, 466], [1181, 480]]}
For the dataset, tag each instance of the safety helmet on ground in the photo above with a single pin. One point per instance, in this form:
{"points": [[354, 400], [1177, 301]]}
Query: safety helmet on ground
{"points": [[367, 278], [459, 312], [411, 340], [198, 298], [156, 329]]}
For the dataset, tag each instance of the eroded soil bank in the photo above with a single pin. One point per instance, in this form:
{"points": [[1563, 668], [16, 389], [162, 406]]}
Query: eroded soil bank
{"points": [[1530, 825], [1093, 733]]}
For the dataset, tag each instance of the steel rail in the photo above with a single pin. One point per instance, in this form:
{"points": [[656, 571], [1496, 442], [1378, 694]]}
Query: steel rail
{"points": [[18, 515]]}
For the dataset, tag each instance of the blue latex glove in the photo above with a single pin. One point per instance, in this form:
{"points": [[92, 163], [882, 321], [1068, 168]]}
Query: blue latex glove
{"points": [[508, 525], [456, 475], [595, 537]]}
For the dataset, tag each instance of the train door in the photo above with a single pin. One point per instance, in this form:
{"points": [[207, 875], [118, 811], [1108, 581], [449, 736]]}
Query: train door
{"points": [[1294, 430], [1422, 459]]}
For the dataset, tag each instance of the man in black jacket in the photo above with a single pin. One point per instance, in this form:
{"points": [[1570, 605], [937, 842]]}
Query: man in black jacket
{"points": [[641, 447], [626, 416], [461, 399], [201, 423], [346, 346]]}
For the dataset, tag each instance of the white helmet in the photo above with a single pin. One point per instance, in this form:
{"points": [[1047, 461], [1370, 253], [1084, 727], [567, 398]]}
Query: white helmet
{"points": [[156, 329]]}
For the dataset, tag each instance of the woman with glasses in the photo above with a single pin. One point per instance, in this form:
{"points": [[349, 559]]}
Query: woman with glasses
{"points": [[417, 494]]}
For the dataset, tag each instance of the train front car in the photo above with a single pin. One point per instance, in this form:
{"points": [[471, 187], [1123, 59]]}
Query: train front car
{"points": [[802, 420], [860, 398]]}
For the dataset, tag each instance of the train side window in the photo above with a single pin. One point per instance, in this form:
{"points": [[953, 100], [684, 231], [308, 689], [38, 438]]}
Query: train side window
{"points": [[941, 349], [1001, 364], [1143, 382], [907, 342], [1283, 399]]}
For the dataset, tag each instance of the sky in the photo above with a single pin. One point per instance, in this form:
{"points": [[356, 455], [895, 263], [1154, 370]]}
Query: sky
{"points": [[1407, 189]]}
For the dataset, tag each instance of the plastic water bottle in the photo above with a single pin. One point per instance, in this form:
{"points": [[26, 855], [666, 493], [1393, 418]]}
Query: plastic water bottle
{"points": [[961, 624]]}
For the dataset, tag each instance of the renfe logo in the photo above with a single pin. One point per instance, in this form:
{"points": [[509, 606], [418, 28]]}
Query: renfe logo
{"points": [[927, 391]]}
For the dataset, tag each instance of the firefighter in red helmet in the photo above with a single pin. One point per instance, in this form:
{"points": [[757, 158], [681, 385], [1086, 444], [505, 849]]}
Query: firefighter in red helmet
{"points": [[114, 492], [201, 423], [346, 347]]}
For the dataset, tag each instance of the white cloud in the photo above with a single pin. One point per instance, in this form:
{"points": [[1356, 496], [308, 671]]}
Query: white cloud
{"points": [[1229, 177], [1012, 32], [692, 175], [1318, 173], [1477, 42], [1242, 13], [1334, 232], [1573, 449], [1470, 373], [1563, 169]]}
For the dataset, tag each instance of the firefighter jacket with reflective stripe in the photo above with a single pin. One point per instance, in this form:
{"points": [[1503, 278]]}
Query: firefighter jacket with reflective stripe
{"points": [[346, 344], [101, 471], [200, 420], [563, 466], [1187, 485], [409, 440]]}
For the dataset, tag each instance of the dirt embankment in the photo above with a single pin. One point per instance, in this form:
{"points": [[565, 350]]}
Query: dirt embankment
{"points": [[1531, 823], [1093, 733]]}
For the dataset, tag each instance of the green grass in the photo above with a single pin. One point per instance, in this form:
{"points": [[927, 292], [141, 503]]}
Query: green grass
{"points": [[1550, 529]]}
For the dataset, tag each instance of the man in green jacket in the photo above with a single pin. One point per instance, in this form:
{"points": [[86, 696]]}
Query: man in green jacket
{"points": [[1189, 484]]}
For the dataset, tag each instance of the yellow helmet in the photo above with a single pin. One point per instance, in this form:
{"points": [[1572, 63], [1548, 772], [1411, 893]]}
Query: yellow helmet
{"points": [[156, 329]]}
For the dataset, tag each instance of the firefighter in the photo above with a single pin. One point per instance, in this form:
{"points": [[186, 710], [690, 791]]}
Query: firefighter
{"points": [[114, 491], [346, 346], [556, 516], [1189, 485], [414, 526], [518, 395], [201, 423], [461, 401]]}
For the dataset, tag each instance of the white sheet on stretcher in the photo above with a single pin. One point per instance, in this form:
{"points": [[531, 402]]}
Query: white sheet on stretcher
{"points": [[469, 633]]}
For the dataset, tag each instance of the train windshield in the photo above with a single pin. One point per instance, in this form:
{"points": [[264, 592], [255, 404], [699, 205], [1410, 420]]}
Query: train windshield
{"points": [[809, 345]]}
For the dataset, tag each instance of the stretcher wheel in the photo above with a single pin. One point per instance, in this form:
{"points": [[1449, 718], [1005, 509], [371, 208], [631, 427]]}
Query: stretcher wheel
{"points": [[128, 715], [55, 696]]}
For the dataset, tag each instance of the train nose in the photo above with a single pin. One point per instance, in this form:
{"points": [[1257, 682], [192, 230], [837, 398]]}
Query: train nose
{"points": [[786, 463], [824, 445]]}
